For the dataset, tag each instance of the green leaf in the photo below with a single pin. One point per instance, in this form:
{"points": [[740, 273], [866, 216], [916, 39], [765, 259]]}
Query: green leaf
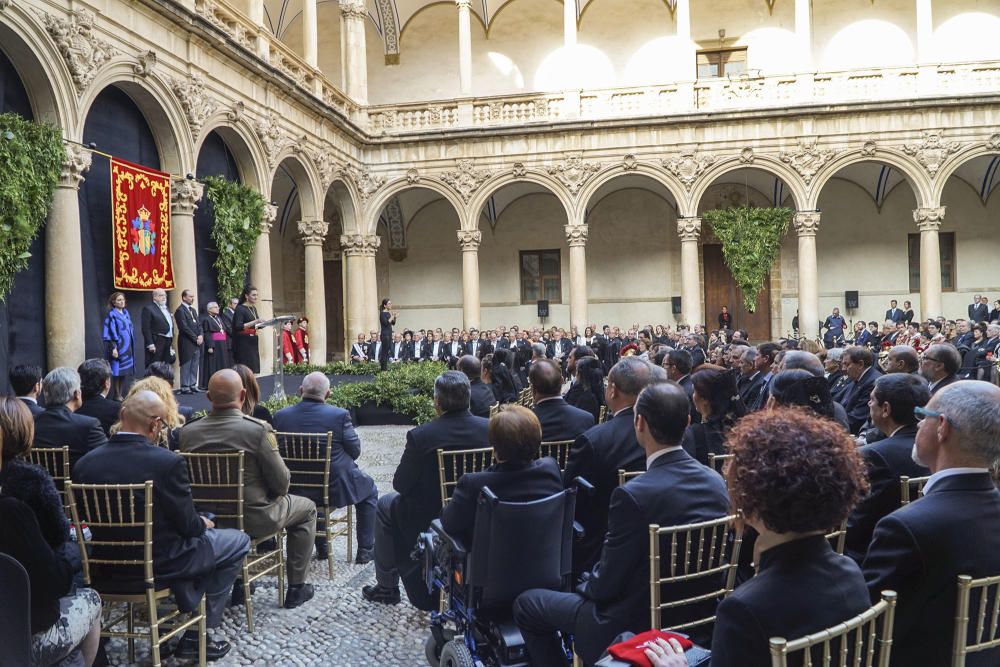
{"points": [[236, 208]]}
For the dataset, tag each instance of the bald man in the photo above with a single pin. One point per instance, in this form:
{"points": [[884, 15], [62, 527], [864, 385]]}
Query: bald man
{"points": [[158, 329], [269, 507], [190, 554], [559, 419]]}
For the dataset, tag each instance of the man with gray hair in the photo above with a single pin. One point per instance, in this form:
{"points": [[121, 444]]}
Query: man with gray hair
{"points": [[920, 550], [348, 484], [58, 425], [158, 329], [403, 514], [603, 450]]}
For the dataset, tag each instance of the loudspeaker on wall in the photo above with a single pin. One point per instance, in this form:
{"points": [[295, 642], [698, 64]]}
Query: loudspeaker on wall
{"points": [[851, 299]]}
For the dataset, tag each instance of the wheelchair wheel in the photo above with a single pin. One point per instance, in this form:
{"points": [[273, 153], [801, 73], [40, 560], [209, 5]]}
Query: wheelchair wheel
{"points": [[432, 651], [456, 654]]}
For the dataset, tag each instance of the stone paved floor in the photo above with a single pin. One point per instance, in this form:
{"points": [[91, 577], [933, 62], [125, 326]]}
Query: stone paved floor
{"points": [[337, 628]]}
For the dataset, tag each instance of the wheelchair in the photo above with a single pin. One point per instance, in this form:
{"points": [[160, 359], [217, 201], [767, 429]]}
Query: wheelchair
{"points": [[479, 582]]}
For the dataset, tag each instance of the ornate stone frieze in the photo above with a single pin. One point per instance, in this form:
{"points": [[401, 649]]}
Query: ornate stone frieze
{"points": [[412, 176], [519, 170], [390, 31], [395, 224], [271, 136], [267, 220], [929, 219], [806, 223], [689, 229], [361, 245], [630, 163], [197, 104], [185, 193], [469, 239], [353, 9], [466, 179], [573, 172], [688, 166], [932, 151], [576, 235], [236, 112], [366, 182], [869, 148], [808, 159], [747, 156], [993, 143], [84, 52], [326, 165], [146, 63], [313, 232], [75, 165]]}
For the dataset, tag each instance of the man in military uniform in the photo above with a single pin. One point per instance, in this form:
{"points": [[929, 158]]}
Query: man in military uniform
{"points": [[269, 507]]}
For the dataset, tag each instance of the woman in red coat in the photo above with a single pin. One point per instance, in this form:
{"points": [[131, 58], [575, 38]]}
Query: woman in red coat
{"points": [[302, 341]]}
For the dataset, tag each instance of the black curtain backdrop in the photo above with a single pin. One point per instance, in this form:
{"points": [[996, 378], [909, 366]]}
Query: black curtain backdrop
{"points": [[22, 315], [215, 159], [117, 126]]}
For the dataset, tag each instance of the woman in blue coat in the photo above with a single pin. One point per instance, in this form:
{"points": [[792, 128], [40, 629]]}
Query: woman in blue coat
{"points": [[119, 345]]}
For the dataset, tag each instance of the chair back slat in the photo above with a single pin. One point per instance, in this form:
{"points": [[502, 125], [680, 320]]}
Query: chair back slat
{"points": [[217, 485], [983, 595], [697, 561], [626, 475], [524, 398], [557, 449], [453, 463], [494, 409], [120, 518], [719, 463], [838, 537], [862, 641], [55, 461], [602, 415], [911, 488], [307, 456]]}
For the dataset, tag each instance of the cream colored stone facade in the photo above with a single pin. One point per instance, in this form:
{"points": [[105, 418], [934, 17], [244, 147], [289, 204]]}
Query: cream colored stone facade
{"points": [[519, 125]]}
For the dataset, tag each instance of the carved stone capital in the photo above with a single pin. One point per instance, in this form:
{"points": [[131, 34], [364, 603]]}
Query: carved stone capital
{"points": [[806, 223], [576, 235], [929, 219], [267, 220], [353, 9], [469, 240], [74, 166], [313, 231], [359, 245], [463, 4], [84, 52], [689, 229], [185, 193]]}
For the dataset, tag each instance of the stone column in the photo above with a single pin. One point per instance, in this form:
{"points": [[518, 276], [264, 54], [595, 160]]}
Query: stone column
{"points": [[469, 241], [682, 14], [313, 232], [929, 222], [357, 249], [309, 49], [260, 277], [464, 47], [355, 57], [569, 22], [689, 229], [185, 193], [803, 35], [64, 265], [576, 237], [806, 225], [255, 12]]}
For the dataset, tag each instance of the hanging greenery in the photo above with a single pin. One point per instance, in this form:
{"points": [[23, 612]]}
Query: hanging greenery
{"points": [[750, 239], [31, 156], [238, 212]]}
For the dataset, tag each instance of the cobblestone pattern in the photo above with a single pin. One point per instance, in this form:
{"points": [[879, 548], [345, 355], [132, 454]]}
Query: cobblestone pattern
{"points": [[337, 628]]}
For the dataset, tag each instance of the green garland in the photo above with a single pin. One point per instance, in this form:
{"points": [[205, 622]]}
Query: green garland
{"points": [[31, 157], [751, 238], [238, 212]]}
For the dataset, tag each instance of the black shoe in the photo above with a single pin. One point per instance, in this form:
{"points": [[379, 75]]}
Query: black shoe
{"points": [[322, 549], [365, 556], [186, 391], [187, 648], [381, 595], [239, 596], [267, 546], [297, 595]]}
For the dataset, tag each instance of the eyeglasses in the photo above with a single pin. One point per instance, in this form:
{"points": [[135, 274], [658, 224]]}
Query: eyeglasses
{"points": [[924, 413], [926, 358]]}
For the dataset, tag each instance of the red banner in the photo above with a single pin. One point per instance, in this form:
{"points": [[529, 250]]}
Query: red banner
{"points": [[140, 211]]}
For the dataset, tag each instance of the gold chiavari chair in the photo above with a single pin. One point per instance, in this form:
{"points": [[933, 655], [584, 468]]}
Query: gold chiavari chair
{"points": [[217, 487], [911, 488], [602, 416], [524, 398], [307, 456], [625, 475], [976, 593], [696, 551], [838, 537], [453, 463], [55, 461], [557, 449], [118, 563], [494, 409], [718, 462], [863, 641]]}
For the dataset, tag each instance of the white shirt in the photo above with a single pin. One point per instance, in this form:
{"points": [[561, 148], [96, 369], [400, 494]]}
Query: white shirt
{"points": [[950, 472], [655, 455], [168, 318]]}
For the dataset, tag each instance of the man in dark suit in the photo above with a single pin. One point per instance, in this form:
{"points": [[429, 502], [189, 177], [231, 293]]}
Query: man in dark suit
{"points": [[576, 354], [348, 484], [374, 347], [674, 490], [764, 362], [386, 320], [678, 366], [602, 451], [920, 549], [481, 396], [939, 365], [894, 313], [227, 316], [558, 348], [26, 381], [475, 346], [892, 402], [517, 476], [401, 516], [435, 347], [58, 426], [858, 365], [95, 383], [453, 350], [559, 419], [190, 554], [158, 329], [189, 340], [693, 344], [751, 380], [979, 310], [399, 349]]}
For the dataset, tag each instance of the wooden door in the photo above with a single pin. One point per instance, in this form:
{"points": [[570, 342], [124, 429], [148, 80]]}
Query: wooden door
{"points": [[721, 290], [334, 279]]}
